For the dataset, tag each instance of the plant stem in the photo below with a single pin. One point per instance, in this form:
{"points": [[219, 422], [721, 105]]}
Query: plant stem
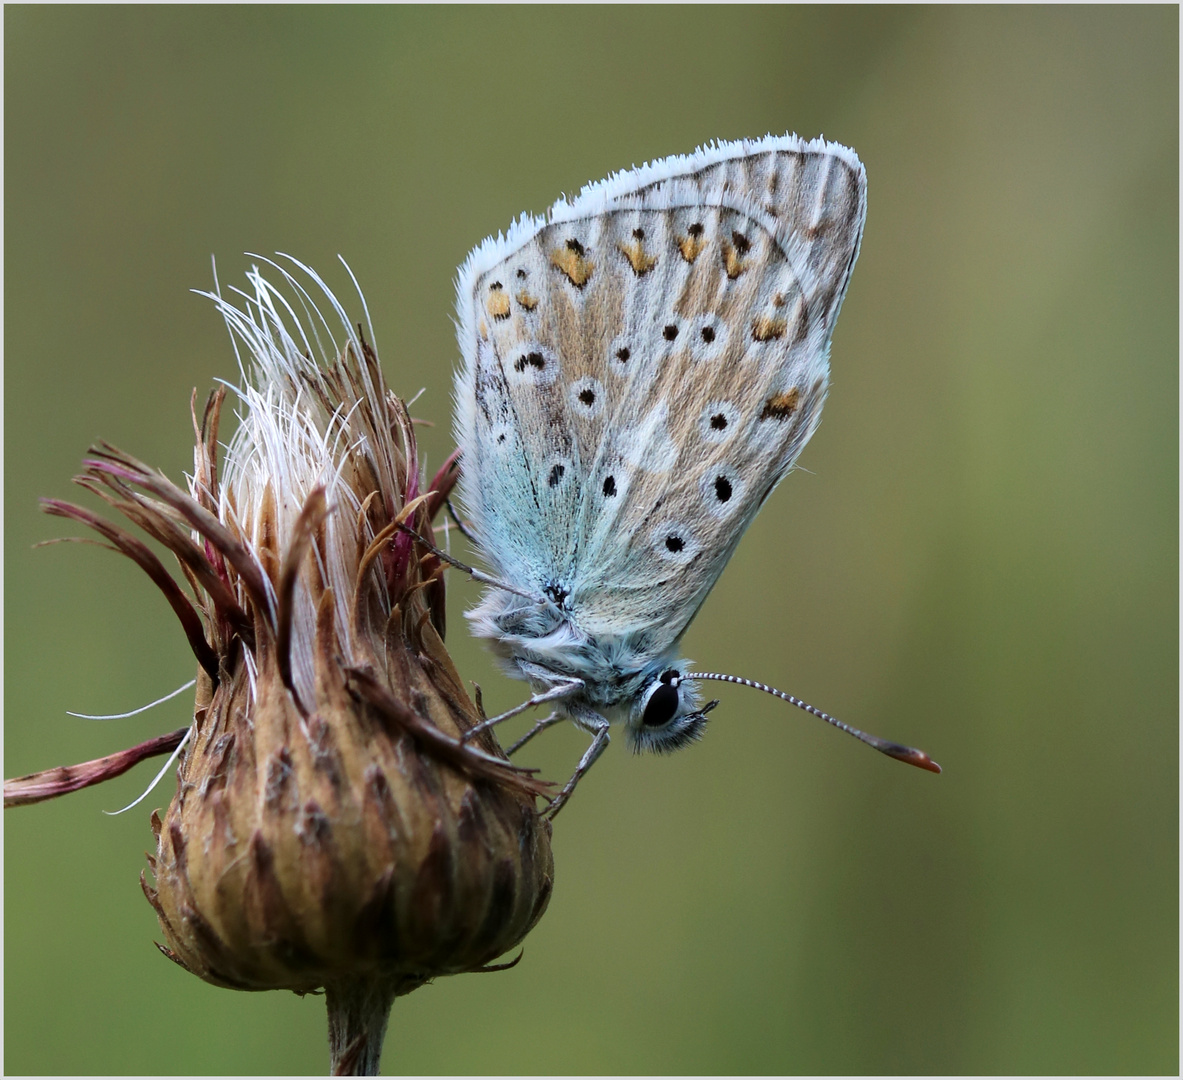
{"points": [[358, 1013]]}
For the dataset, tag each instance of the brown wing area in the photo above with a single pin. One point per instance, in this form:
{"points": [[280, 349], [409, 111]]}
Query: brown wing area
{"points": [[731, 382]]}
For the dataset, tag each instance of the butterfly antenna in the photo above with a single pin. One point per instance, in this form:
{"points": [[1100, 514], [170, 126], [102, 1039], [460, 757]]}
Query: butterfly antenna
{"points": [[901, 753]]}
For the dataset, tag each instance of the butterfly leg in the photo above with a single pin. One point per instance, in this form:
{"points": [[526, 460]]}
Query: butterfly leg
{"points": [[472, 572], [560, 691], [549, 721], [599, 742], [464, 530]]}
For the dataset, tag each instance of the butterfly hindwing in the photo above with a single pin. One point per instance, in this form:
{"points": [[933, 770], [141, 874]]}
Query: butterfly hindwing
{"points": [[643, 368]]}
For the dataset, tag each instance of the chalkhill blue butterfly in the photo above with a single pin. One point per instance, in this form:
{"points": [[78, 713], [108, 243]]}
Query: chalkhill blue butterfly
{"points": [[641, 367]]}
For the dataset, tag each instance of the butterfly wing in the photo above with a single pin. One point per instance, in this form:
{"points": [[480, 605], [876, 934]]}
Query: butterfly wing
{"points": [[642, 369]]}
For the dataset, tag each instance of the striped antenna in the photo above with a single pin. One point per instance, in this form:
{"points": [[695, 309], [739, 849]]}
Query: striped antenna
{"points": [[901, 753]]}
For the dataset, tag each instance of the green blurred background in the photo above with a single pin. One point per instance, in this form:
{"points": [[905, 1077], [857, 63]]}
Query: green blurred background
{"points": [[980, 560]]}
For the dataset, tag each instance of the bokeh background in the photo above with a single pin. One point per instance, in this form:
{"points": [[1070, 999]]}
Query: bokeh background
{"points": [[982, 558]]}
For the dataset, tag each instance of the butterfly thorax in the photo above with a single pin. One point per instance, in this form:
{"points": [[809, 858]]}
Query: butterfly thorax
{"points": [[545, 645]]}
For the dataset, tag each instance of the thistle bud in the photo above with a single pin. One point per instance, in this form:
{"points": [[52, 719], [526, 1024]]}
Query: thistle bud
{"points": [[330, 828]]}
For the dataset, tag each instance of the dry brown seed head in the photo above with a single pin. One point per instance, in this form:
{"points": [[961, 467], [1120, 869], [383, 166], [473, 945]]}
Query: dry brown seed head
{"points": [[328, 823]]}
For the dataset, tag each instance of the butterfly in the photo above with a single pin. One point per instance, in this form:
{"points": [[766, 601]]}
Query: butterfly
{"points": [[640, 368]]}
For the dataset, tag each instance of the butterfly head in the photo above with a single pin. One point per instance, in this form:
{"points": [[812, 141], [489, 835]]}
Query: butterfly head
{"points": [[666, 715]]}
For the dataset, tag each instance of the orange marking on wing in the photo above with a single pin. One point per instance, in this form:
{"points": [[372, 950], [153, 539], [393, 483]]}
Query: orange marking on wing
{"points": [[497, 304], [732, 262], [572, 261], [691, 246], [781, 406], [766, 329], [638, 260]]}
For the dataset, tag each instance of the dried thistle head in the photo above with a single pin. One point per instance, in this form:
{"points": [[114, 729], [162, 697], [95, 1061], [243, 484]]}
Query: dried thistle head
{"points": [[329, 827]]}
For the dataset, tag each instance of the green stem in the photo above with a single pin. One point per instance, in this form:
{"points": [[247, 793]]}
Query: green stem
{"points": [[358, 1013]]}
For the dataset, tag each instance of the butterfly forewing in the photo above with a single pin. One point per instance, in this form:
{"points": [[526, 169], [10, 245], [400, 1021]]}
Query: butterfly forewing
{"points": [[643, 369]]}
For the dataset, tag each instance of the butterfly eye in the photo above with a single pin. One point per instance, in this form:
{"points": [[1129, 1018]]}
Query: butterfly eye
{"points": [[661, 706]]}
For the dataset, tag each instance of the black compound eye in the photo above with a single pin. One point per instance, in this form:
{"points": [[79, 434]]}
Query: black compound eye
{"points": [[661, 706]]}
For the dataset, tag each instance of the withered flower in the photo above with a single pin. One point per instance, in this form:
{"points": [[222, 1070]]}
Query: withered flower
{"points": [[329, 828]]}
